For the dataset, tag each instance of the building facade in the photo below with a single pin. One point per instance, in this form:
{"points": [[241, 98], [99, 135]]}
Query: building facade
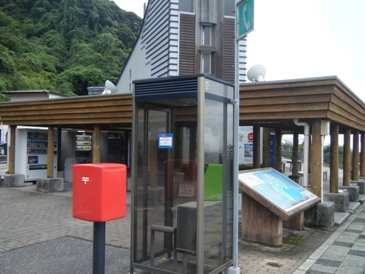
{"points": [[181, 37]]}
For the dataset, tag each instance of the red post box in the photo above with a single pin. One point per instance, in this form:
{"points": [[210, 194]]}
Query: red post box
{"points": [[99, 192]]}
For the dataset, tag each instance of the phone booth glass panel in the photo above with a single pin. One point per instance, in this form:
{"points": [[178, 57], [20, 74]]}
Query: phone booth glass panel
{"points": [[182, 203]]}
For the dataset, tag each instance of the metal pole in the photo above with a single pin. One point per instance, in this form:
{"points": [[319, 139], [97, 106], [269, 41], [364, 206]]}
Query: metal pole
{"points": [[235, 269], [235, 164], [200, 188], [99, 248]]}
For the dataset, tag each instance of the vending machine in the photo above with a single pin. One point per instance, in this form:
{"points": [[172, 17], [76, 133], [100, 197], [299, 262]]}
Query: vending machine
{"points": [[83, 148], [31, 144]]}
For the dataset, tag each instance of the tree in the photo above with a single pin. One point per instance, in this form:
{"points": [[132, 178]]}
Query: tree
{"points": [[287, 145], [64, 45]]}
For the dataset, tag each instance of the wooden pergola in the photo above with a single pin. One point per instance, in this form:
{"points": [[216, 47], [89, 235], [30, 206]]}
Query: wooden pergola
{"points": [[274, 106], [95, 113]]}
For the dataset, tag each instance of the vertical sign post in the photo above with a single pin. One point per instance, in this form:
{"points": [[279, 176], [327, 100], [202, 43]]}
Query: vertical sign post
{"points": [[244, 25]]}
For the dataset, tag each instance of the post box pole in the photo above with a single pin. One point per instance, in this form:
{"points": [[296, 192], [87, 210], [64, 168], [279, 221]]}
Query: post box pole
{"points": [[99, 248]]}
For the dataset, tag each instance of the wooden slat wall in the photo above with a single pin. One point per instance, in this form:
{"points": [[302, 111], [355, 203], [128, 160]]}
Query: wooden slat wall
{"points": [[261, 103], [317, 99], [88, 110], [187, 60], [228, 50]]}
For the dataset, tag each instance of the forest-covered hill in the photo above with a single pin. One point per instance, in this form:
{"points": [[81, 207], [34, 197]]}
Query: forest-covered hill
{"points": [[63, 45]]}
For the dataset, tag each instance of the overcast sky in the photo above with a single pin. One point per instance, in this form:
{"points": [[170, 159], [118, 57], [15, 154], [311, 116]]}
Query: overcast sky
{"points": [[304, 38]]}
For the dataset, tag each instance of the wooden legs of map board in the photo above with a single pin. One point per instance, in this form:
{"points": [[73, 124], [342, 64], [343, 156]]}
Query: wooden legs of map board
{"points": [[260, 225], [296, 222]]}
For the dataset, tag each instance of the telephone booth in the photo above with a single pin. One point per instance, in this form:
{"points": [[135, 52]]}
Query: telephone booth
{"points": [[182, 195]]}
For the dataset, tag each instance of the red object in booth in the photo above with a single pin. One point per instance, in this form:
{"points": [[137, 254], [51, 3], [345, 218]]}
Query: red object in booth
{"points": [[99, 192]]}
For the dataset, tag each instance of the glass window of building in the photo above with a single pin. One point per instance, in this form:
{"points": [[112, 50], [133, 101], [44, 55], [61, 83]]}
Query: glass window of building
{"points": [[205, 62], [186, 5], [229, 7], [206, 35]]}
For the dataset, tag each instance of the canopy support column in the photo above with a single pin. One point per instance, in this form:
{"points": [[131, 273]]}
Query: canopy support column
{"points": [[256, 146], [266, 147], [277, 150], [346, 158], [334, 128], [11, 152], [50, 152], [355, 156], [96, 144], [362, 155], [294, 159], [316, 158]]}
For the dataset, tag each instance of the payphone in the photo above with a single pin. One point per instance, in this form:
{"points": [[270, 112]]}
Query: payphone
{"points": [[182, 204]]}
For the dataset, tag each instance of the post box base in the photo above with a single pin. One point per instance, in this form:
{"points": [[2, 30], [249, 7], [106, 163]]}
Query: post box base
{"points": [[50, 185], [233, 270]]}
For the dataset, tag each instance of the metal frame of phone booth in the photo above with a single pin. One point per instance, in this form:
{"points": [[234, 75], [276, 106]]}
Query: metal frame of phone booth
{"points": [[182, 174]]}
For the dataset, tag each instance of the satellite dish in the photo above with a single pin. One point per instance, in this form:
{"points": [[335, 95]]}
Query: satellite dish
{"points": [[256, 73], [109, 88]]}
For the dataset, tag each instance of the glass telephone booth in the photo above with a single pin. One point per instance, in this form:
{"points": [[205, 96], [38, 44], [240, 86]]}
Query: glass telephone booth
{"points": [[182, 195]]}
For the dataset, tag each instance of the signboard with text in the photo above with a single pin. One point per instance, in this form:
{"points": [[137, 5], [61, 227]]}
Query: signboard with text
{"points": [[165, 140], [245, 145]]}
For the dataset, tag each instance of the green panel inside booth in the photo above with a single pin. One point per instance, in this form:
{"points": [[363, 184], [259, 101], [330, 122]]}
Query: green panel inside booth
{"points": [[213, 182]]}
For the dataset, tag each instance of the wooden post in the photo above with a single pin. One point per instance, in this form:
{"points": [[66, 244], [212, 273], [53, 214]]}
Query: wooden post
{"points": [[309, 156], [96, 144], [346, 158], [266, 147], [50, 152], [277, 151], [362, 155], [334, 128], [355, 156], [316, 158], [59, 149], [11, 150], [259, 224], [294, 156], [296, 222], [256, 147]]}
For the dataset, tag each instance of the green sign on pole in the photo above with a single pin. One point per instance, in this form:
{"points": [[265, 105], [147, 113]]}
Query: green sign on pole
{"points": [[245, 17]]}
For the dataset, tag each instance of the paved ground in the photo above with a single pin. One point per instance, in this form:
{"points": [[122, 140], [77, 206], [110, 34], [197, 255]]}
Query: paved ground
{"points": [[39, 235], [342, 252]]}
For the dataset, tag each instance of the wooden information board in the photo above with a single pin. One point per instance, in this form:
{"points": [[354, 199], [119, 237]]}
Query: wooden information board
{"points": [[268, 198]]}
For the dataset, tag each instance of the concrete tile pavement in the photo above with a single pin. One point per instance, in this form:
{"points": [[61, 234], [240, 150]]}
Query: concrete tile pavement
{"points": [[342, 252], [39, 227], [30, 220], [257, 258]]}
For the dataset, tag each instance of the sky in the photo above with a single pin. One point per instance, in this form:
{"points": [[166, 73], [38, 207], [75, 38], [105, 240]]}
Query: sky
{"points": [[304, 38]]}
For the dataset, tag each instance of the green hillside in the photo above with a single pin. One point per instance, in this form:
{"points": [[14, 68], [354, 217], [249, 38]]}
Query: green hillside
{"points": [[63, 45]]}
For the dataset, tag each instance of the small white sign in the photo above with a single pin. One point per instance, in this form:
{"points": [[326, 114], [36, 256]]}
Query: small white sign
{"points": [[165, 141], [186, 190]]}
